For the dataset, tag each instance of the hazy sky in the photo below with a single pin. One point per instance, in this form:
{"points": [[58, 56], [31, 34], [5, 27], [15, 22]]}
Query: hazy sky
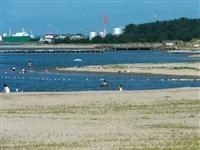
{"points": [[82, 16]]}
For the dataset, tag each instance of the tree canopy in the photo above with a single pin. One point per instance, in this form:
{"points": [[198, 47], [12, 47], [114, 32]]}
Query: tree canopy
{"points": [[178, 29]]}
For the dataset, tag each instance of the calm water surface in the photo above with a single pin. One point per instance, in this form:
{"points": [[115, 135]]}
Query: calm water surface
{"points": [[39, 79]]}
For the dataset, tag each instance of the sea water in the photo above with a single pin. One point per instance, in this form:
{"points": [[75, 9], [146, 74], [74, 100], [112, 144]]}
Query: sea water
{"points": [[40, 78]]}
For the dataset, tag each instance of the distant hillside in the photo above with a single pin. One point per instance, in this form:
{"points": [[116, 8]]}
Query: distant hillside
{"points": [[179, 29]]}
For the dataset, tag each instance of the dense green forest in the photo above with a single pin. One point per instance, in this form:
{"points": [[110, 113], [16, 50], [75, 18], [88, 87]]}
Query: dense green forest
{"points": [[178, 29], [181, 29]]}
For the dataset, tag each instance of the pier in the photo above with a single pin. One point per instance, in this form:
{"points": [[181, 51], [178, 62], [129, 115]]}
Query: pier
{"points": [[133, 48], [49, 49], [81, 48]]}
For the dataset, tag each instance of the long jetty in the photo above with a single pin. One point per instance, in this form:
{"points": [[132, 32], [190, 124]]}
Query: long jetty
{"points": [[75, 48], [49, 49]]}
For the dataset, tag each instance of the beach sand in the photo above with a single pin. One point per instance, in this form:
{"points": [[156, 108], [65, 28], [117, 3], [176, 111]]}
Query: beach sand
{"points": [[103, 120], [191, 70]]}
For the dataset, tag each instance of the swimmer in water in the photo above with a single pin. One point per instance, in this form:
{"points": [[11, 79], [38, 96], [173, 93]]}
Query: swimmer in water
{"points": [[105, 83]]}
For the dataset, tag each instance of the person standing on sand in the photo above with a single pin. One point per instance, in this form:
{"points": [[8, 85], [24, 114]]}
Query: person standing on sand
{"points": [[6, 88], [120, 88]]}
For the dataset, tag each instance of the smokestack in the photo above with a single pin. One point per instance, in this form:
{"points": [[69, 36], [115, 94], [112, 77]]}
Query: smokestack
{"points": [[105, 20]]}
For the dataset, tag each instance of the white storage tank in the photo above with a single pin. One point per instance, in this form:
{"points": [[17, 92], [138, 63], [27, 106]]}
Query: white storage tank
{"points": [[117, 31], [5, 34], [92, 34], [101, 33]]}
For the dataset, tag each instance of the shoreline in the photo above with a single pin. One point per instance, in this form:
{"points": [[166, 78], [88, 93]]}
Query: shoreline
{"points": [[184, 70], [99, 91], [128, 74]]}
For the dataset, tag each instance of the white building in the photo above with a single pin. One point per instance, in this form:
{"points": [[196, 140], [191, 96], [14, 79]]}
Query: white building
{"points": [[92, 35], [61, 37], [196, 45], [117, 31], [169, 43], [1, 38], [76, 37], [101, 34], [19, 34], [49, 38], [5, 34]]}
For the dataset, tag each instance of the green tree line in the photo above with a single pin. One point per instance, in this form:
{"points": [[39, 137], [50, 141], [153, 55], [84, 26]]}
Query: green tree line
{"points": [[178, 29]]}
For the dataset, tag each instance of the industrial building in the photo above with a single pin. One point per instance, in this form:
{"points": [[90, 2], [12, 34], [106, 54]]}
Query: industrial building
{"points": [[117, 31], [92, 35]]}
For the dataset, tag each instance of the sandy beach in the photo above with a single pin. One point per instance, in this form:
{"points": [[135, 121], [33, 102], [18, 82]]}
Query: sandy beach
{"points": [[191, 70], [103, 120]]}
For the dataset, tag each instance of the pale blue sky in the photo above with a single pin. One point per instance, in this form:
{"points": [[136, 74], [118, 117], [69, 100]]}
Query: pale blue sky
{"points": [[82, 16]]}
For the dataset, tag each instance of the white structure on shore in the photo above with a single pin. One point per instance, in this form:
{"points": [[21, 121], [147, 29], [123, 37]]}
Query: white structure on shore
{"points": [[49, 38], [101, 34], [117, 31], [20, 34], [92, 35], [1, 38]]}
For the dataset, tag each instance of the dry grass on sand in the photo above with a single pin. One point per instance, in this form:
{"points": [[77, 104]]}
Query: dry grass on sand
{"points": [[105, 120]]}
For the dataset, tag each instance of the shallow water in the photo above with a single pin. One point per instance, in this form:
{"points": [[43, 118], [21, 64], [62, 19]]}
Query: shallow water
{"points": [[39, 79]]}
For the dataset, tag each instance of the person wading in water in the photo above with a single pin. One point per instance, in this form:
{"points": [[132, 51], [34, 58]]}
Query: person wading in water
{"points": [[29, 65]]}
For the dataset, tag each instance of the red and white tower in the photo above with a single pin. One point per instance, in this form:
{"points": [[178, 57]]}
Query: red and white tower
{"points": [[105, 20]]}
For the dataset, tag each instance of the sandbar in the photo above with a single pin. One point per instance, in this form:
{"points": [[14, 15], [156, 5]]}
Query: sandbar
{"points": [[191, 70]]}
